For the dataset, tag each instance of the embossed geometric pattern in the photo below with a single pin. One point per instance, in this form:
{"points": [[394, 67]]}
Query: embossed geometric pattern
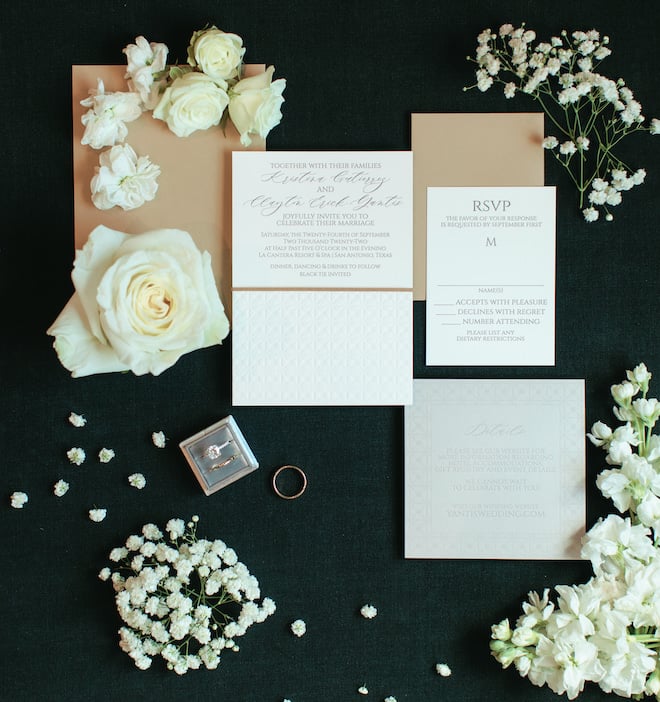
{"points": [[321, 347]]}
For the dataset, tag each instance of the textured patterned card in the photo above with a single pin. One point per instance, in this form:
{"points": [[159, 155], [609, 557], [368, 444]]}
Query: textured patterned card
{"points": [[495, 469], [322, 273]]}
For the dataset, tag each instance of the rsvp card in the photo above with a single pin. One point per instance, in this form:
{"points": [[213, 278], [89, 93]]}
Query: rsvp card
{"points": [[322, 278], [495, 469], [490, 277]]}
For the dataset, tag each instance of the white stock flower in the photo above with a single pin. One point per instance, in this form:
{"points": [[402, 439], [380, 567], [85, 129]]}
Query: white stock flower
{"points": [[611, 536], [122, 179], [600, 434], [105, 121], [255, 105], [218, 54], [145, 60], [18, 499], [648, 512], [647, 409], [623, 392], [141, 302], [192, 102], [628, 486]]}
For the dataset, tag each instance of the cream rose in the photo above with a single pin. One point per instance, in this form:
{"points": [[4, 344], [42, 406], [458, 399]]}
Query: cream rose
{"points": [[218, 54], [193, 101], [254, 105], [141, 301]]}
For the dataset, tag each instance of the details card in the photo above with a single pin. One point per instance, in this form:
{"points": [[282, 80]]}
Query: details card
{"points": [[495, 469], [322, 278], [490, 296]]}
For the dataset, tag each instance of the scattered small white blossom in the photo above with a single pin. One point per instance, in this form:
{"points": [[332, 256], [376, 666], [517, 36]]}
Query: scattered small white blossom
{"points": [[368, 611], [97, 515], [106, 455], [298, 628], [137, 480], [18, 499], [443, 669], [105, 121], [158, 439], [60, 488], [104, 574], [363, 690], [77, 420], [76, 455], [390, 698]]}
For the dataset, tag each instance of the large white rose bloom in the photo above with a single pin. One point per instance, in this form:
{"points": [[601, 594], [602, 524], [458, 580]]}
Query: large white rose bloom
{"points": [[141, 301]]}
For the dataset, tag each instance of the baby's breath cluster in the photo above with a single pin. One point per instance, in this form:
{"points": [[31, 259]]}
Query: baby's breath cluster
{"points": [[182, 598], [606, 631], [590, 114]]}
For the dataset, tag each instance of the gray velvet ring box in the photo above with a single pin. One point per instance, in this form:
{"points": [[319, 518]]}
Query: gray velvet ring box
{"points": [[219, 455]]}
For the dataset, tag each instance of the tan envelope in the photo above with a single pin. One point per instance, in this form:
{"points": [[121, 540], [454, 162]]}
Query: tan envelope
{"points": [[194, 188], [469, 149]]}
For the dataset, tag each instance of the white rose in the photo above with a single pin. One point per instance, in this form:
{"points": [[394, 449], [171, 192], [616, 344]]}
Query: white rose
{"points": [[141, 301], [193, 101], [123, 179], [254, 105], [216, 53]]}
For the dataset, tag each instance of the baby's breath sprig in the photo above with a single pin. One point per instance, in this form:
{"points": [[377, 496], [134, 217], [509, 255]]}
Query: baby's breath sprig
{"points": [[589, 113], [182, 598]]}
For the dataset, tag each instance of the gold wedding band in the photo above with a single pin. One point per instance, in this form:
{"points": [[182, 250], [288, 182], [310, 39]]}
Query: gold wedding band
{"points": [[303, 478]]}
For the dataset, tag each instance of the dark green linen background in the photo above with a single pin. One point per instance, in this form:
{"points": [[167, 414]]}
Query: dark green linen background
{"points": [[355, 72]]}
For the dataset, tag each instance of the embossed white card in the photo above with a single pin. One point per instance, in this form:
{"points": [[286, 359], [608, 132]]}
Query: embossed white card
{"points": [[322, 278], [495, 469], [490, 277]]}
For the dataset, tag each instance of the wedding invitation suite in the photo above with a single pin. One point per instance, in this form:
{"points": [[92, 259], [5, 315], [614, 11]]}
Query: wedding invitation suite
{"points": [[495, 469], [322, 278], [490, 276]]}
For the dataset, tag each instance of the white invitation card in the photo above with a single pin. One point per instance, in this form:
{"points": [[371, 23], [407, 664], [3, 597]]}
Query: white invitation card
{"points": [[495, 469], [322, 278], [490, 277]]}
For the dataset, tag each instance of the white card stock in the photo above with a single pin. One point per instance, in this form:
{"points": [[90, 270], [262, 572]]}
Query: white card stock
{"points": [[322, 278], [490, 297], [495, 469]]}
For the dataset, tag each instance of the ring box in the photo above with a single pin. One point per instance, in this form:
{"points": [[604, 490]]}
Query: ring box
{"points": [[219, 455]]}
